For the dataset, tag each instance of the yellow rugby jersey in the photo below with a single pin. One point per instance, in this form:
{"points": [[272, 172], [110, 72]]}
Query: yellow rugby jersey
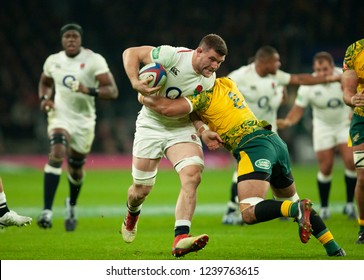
{"points": [[354, 60], [225, 111]]}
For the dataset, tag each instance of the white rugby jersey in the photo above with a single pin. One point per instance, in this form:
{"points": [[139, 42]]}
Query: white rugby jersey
{"points": [[182, 80], [263, 94], [63, 69], [326, 101]]}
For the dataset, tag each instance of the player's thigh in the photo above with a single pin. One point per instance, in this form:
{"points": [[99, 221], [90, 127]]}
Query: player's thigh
{"points": [[145, 164], [324, 138], [149, 143], [252, 189], [346, 154], [82, 139], [183, 143], [286, 192], [181, 151], [325, 160]]}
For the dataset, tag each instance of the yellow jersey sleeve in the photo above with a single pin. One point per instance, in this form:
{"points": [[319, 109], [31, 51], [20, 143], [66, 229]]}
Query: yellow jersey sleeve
{"points": [[354, 60]]}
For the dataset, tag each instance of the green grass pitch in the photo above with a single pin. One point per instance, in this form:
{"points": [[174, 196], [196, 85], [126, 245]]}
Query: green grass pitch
{"points": [[101, 208]]}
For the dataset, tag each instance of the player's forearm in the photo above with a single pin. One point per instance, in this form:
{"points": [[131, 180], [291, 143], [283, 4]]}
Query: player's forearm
{"points": [[349, 84], [295, 114], [166, 107], [132, 57], [45, 92], [308, 79]]}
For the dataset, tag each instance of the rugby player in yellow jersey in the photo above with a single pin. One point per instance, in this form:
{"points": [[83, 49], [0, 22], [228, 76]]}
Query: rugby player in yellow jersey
{"points": [[353, 87], [262, 157]]}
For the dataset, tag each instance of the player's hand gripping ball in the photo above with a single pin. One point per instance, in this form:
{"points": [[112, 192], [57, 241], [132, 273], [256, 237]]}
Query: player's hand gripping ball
{"points": [[156, 71]]}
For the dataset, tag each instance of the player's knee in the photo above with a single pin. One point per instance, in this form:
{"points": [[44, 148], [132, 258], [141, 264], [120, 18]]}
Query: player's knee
{"points": [[246, 206], [144, 178], [292, 198], [76, 163], [58, 142], [75, 168], [58, 138], [191, 176]]}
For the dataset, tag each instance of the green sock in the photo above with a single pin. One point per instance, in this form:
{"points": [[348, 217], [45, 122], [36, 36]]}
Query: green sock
{"points": [[331, 247], [294, 210]]}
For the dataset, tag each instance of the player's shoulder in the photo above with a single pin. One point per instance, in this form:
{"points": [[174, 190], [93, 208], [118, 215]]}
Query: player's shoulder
{"points": [[356, 45], [90, 53], [242, 73], [354, 49], [170, 50], [55, 57]]}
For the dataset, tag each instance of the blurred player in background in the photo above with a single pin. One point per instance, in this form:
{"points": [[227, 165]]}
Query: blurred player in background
{"points": [[262, 83], [262, 157], [188, 72], [331, 121], [78, 76], [353, 86], [9, 217]]}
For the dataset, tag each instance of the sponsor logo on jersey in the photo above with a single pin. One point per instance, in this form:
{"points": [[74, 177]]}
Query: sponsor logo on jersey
{"points": [[174, 71], [155, 52], [263, 163]]}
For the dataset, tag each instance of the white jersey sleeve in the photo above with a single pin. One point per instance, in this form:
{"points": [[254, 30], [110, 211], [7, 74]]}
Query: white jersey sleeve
{"points": [[48, 64], [99, 65], [282, 77], [166, 55], [303, 96]]}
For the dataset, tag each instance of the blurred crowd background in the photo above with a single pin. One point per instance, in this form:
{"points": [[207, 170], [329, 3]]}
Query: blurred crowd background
{"points": [[29, 33]]}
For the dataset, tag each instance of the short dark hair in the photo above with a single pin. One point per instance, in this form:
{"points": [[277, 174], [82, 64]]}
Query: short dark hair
{"points": [[215, 42], [71, 26], [265, 52], [321, 56]]}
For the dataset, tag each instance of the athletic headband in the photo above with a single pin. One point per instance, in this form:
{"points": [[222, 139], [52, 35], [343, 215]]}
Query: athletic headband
{"points": [[71, 26]]}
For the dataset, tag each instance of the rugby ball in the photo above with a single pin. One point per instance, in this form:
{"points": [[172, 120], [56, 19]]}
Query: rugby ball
{"points": [[155, 70]]}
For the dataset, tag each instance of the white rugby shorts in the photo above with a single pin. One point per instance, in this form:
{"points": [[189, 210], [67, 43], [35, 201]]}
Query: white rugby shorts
{"points": [[328, 136], [82, 131], [152, 140]]}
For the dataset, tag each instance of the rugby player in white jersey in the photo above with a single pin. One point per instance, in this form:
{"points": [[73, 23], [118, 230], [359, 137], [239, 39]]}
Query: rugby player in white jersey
{"points": [[331, 122], [71, 81], [188, 72], [261, 82]]}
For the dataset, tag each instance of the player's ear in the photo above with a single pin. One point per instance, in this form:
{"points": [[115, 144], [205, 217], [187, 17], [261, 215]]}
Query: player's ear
{"points": [[199, 50]]}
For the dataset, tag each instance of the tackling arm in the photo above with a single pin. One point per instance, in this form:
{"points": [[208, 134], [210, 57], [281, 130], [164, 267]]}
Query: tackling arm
{"points": [[167, 107], [350, 84]]}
